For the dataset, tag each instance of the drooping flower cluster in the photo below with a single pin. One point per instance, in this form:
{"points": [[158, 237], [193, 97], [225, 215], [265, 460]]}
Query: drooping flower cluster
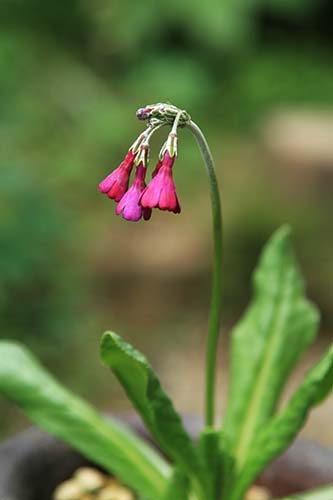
{"points": [[138, 200]]}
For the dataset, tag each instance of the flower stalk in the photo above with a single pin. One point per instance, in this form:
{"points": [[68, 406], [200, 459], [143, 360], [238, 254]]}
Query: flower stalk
{"points": [[139, 200], [215, 305]]}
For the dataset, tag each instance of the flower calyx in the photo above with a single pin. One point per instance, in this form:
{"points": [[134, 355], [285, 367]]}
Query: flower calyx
{"points": [[165, 113]]}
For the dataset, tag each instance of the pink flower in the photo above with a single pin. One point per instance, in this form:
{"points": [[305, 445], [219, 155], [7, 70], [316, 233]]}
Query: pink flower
{"points": [[157, 168], [115, 184], [129, 204], [161, 191]]}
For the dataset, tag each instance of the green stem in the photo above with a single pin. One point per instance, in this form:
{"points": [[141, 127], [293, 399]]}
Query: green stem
{"points": [[215, 307]]}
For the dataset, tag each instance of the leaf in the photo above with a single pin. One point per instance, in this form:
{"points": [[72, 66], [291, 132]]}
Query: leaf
{"points": [[276, 436], [177, 487], [145, 391], [323, 493], [276, 328], [213, 457], [61, 413], [228, 468]]}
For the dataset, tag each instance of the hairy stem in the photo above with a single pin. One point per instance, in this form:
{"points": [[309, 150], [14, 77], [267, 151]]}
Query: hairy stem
{"points": [[215, 307]]}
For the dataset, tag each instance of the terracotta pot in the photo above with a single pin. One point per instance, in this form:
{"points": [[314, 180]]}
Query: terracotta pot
{"points": [[32, 464]]}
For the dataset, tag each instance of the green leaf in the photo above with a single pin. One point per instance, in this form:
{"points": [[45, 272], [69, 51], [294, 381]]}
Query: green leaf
{"points": [[62, 414], [177, 487], [145, 391], [276, 436], [277, 327], [228, 468], [324, 493], [213, 457]]}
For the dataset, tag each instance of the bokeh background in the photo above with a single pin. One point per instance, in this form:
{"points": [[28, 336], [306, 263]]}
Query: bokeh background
{"points": [[258, 77]]}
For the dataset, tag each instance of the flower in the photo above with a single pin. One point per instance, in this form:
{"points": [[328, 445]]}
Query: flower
{"points": [[115, 184], [157, 168], [161, 191], [129, 203]]}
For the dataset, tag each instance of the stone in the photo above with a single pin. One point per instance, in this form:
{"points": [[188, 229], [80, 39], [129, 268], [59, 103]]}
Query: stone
{"points": [[68, 490], [258, 493], [115, 491], [89, 479]]}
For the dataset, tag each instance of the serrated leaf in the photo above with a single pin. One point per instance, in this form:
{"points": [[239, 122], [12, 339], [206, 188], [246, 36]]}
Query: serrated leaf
{"points": [[276, 436], [156, 409], [277, 327], [24, 381]]}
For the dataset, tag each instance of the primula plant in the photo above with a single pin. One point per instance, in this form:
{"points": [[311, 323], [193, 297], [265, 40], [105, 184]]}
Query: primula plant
{"points": [[277, 327]]}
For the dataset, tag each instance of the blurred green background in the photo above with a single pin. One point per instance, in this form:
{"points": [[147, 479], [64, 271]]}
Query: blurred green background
{"points": [[255, 74]]}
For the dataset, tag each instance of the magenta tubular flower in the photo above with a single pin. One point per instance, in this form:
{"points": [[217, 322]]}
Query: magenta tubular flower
{"points": [[115, 184], [161, 191], [157, 168], [129, 203]]}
